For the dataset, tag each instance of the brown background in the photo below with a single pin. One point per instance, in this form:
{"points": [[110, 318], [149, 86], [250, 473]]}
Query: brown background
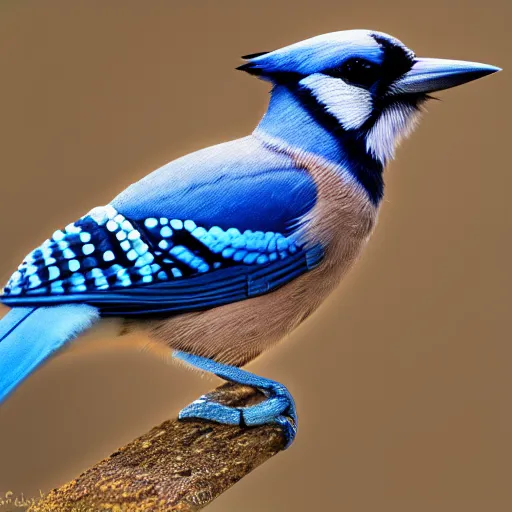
{"points": [[403, 380]]}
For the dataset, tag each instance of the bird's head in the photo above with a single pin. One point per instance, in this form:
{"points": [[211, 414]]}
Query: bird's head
{"points": [[363, 83]]}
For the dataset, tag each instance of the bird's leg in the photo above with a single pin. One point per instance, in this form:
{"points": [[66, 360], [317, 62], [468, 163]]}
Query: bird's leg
{"points": [[279, 406]]}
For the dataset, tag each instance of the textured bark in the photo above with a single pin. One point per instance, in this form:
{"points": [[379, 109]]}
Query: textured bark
{"points": [[177, 466]]}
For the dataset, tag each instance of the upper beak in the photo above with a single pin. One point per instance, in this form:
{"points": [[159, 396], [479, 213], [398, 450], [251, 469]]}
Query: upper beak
{"points": [[429, 75]]}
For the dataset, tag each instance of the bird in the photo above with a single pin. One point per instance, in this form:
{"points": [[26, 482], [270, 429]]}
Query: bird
{"points": [[219, 254]]}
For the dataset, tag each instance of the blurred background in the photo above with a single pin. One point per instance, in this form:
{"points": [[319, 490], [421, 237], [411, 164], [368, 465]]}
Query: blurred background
{"points": [[403, 379]]}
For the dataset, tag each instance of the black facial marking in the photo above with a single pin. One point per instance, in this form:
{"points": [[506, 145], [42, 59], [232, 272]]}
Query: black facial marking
{"points": [[397, 61], [365, 168], [377, 78], [356, 71]]}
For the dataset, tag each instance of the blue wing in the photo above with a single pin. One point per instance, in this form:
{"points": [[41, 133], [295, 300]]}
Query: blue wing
{"points": [[140, 255], [237, 184]]}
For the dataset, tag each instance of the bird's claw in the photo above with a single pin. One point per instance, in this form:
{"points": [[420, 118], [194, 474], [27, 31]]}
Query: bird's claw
{"points": [[278, 407]]}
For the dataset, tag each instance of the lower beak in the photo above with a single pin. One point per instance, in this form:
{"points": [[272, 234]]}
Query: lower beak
{"points": [[429, 75]]}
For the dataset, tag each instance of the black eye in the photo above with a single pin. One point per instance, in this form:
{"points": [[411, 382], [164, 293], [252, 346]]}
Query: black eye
{"points": [[356, 71]]}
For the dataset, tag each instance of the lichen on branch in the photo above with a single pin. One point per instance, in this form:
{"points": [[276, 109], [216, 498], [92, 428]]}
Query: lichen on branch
{"points": [[177, 466]]}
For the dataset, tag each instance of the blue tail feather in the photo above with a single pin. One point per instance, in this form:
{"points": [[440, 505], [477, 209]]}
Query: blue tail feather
{"points": [[28, 336]]}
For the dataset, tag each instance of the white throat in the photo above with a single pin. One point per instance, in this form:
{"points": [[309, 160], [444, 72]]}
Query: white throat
{"points": [[394, 124]]}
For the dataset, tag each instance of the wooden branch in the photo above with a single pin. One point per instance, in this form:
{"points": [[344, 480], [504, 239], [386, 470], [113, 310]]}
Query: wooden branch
{"points": [[177, 466]]}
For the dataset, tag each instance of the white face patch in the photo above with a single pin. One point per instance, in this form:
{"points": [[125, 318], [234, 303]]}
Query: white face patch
{"points": [[394, 124], [349, 104]]}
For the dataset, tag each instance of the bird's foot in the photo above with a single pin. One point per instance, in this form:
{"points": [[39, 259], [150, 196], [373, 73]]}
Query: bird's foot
{"points": [[279, 406]]}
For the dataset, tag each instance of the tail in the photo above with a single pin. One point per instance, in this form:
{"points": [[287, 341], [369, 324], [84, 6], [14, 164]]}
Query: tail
{"points": [[29, 335]]}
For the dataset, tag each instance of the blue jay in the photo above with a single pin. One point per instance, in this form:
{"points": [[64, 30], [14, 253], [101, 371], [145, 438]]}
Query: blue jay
{"points": [[221, 253]]}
